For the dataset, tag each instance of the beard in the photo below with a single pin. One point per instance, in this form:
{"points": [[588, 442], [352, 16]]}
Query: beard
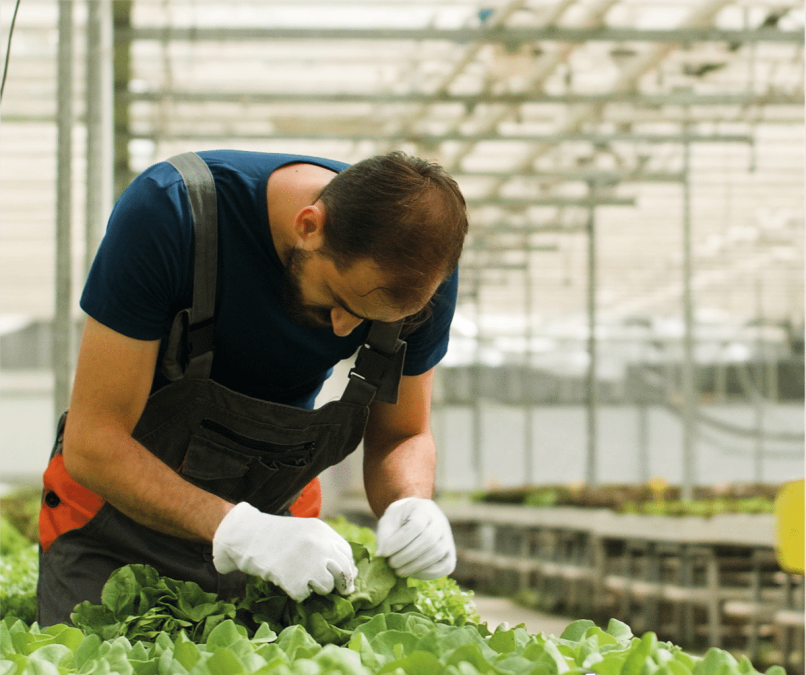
{"points": [[305, 315]]}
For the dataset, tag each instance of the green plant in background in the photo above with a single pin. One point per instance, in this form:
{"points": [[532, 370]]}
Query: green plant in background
{"points": [[656, 497], [704, 508], [20, 509], [12, 540], [19, 567], [545, 497]]}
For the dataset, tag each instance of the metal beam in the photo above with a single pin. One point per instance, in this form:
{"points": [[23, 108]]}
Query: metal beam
{"points": [[492, 266], [494, 230], [473, 281], [581, 176], [480, 245], [523, 202], [510, 36], [433, 139], [630, 75], [681, 98]]}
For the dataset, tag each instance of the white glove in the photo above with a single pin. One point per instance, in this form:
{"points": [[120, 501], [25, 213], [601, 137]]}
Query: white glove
{"points": [[297, 554], [416, 536]]}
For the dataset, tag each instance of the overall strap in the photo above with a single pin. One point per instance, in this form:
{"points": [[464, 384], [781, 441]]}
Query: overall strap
{"points": [[192, 336], [378, 366]]}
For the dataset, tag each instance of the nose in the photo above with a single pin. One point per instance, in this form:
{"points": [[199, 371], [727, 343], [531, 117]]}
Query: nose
{"points": [[343, 322]]}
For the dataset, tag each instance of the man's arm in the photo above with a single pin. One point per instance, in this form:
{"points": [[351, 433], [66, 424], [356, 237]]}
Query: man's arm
{"points": [[399, 450], [399, 466], [112, 384]]}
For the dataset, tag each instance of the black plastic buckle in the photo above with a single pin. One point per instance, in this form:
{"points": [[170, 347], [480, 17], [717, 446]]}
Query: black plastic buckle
{"points": [[381, 371], [186, 343]]}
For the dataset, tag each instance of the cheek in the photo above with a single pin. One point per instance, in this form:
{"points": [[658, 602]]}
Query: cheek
{"points": [[310, 281]]}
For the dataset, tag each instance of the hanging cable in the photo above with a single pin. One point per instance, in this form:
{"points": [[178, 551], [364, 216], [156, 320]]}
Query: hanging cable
{"points": [[8, 49], [653, 384]]}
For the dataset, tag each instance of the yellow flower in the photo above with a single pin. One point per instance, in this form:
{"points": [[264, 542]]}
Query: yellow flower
{"points": [[658, 486]]}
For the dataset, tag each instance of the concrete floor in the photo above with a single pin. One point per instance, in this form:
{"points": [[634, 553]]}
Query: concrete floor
{"points": [[496, 611]]}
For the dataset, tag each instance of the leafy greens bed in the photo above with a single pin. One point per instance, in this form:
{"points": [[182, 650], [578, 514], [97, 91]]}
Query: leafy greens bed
{"points": [[151, 625]]}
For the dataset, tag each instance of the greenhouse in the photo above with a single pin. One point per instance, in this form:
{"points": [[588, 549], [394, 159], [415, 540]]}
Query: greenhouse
{"points": [[578, 450]]}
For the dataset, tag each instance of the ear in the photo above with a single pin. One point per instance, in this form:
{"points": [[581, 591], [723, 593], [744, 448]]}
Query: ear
{"points": [[309, 226]]}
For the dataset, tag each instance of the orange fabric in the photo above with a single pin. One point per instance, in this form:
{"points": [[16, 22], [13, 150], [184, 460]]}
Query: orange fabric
{"points": [[75, 507], [309, 502]]}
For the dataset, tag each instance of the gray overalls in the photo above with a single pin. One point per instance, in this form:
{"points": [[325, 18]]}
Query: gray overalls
{"points": [[234, 446]]}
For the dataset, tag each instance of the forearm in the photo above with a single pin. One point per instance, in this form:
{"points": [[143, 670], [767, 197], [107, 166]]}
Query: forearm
{"points": [[413, 533], [112, 464], [402, 468]]}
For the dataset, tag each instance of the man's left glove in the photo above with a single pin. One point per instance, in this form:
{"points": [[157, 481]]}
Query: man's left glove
{"points": [[416, 536]]}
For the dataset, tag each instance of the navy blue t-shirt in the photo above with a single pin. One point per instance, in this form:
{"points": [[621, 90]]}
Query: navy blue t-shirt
{"points": [[143, 275]]}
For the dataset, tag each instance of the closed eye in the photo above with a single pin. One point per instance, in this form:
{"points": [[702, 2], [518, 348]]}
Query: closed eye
{"points": [[341, 303]]}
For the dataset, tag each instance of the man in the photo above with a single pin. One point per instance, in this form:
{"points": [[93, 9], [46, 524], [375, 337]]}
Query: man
{"points": [[222, 295]]}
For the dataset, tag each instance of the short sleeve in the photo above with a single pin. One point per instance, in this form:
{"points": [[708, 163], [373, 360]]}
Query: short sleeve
{"points": [[428, 344], [141, 269]]}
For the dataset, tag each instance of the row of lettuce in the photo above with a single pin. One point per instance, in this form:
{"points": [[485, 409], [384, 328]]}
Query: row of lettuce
{"points": [[655, 497], [147, 624]]}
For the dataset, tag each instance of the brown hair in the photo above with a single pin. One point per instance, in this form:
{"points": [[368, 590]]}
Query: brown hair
{"points": [[404, 213]]}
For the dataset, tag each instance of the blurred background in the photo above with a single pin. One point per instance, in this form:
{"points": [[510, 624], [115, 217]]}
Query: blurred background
{"points": [[631, 310], [632, 287]]}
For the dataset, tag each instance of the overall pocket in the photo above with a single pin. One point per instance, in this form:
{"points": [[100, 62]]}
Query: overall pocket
{"points": [[237, 466]]}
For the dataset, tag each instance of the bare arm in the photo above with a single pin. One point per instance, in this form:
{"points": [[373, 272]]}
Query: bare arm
{"points": [[112, 384], [399, 449]]}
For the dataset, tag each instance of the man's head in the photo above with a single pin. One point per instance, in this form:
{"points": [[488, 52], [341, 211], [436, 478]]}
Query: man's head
{"points": [[392, 230], [401, 212]]}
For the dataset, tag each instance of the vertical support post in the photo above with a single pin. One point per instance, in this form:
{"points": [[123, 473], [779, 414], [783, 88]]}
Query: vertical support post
{"points": [[122, 22], [640, 396], [689, 390], [685, 613], [478, 444], [653, 576], [524, 571], [528, 405], [625, 602], [771, 367], [478, 447], [62, 320], [721, 386], [757, 392], [714, 609], [755, 595], [100, 134], [644, 465], [440, 424], [591, 470]]}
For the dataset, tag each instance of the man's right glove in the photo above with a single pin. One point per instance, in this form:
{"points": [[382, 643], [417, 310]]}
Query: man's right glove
{"points": [[300, 555]]}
